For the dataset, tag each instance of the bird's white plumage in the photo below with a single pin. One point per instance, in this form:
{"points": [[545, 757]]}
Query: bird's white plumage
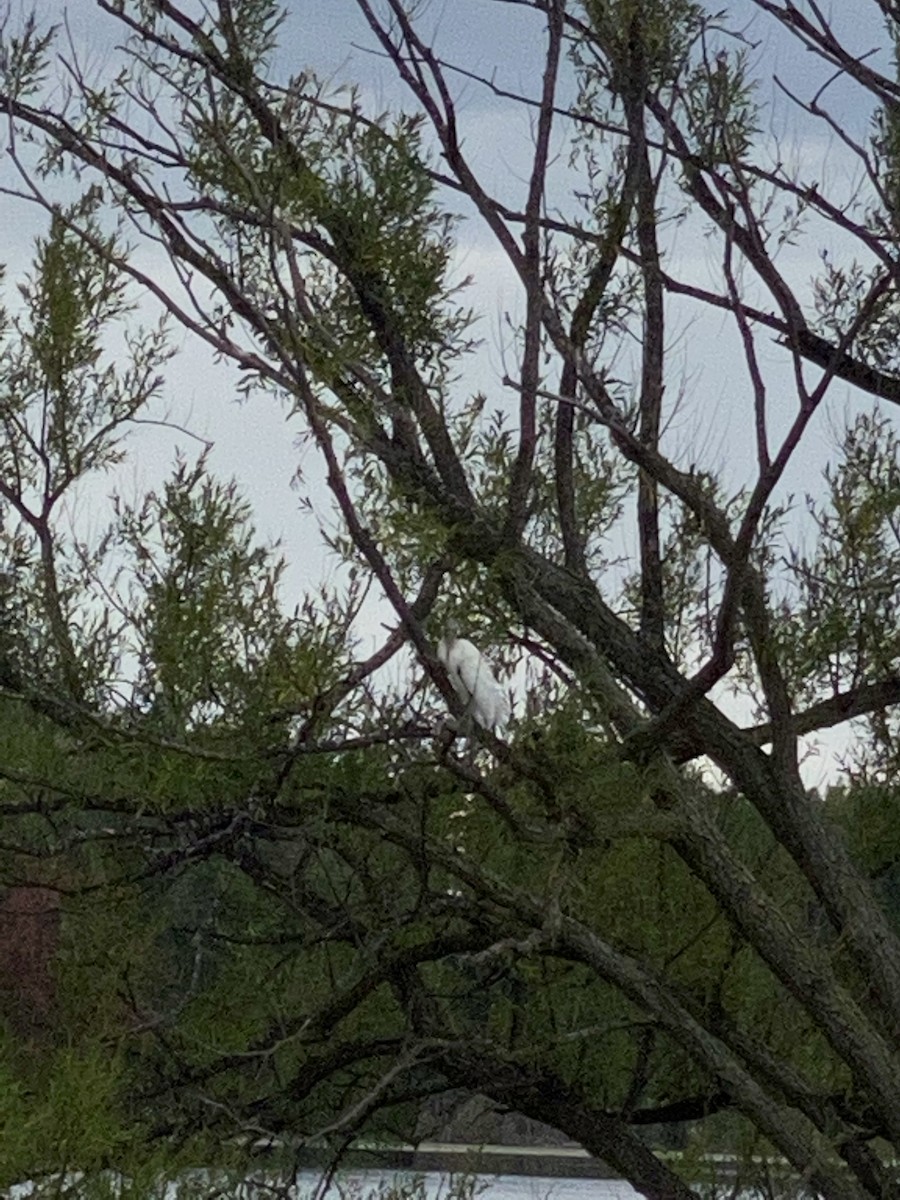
{"points": [[474, 682]]}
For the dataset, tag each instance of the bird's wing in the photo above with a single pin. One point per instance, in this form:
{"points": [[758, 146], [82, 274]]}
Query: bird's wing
{"points": [[502, 710], [478, 687], [467, 667]]}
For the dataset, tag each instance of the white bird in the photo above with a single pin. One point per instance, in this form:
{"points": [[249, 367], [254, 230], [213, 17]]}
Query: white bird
{"points": [[473, 681]]}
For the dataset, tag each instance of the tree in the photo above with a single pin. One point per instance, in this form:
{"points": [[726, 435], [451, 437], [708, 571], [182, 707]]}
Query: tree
{"points": [[633, 910]]}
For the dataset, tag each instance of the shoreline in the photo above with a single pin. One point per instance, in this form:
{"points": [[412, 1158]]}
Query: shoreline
{"points": [[555, 1162]]}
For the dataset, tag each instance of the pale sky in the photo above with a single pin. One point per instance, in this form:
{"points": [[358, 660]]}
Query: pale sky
{"points": [[254, 443]]}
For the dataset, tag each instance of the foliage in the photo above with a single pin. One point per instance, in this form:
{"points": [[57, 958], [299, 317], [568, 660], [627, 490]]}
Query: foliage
{"points": [[261, 894]]}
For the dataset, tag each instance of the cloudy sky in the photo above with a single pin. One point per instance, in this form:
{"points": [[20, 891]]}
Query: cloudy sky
{"points": [[255, 443], [488, 37]]}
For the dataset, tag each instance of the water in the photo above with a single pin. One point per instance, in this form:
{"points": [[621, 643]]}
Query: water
{"points": [[349, 1184], [378, 1186], [539, 1187], [435, 1185], [489, 1187]]}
